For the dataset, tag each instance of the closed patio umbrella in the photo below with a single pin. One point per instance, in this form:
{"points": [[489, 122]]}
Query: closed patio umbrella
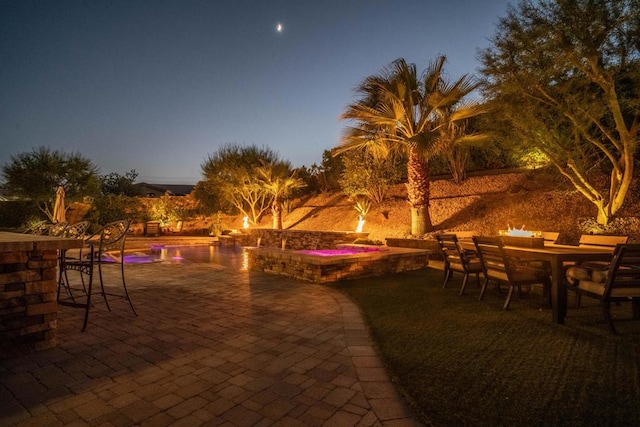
{"points": [[59, 214]]}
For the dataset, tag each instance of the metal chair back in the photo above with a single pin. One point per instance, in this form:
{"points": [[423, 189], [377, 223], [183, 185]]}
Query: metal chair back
{"points": [[78, 230]]}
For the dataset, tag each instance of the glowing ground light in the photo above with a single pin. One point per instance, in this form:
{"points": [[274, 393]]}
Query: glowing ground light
{"points": [[244, 266], [338, 252]]}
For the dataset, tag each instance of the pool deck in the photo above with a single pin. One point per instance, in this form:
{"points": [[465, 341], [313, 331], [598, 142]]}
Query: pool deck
{"points": [[210, 346]]}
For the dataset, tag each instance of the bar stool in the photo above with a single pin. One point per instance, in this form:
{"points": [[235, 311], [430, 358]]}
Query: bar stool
{"points": [[104, 248]]}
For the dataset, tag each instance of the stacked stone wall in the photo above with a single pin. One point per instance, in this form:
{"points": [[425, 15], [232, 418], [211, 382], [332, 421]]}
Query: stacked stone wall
{"points": [[299, 239], [28, 308], [330, 269]]}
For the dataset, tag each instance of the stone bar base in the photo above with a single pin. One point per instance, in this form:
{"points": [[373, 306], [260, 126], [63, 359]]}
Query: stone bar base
{"points": [[28, 286], [28, 309]]}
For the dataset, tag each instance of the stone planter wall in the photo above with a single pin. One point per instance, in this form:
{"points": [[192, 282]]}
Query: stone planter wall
{"points": [[298, 239]]}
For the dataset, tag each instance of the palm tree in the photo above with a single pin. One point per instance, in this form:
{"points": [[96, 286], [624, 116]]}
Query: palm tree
{"points": [[455, 139], [279, 182], [400, 111]]}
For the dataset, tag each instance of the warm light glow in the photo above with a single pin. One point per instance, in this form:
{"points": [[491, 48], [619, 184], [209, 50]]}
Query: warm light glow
{"points": [[245, 222], [244, 266], [360, 225], [279, 27], [519, 232]]}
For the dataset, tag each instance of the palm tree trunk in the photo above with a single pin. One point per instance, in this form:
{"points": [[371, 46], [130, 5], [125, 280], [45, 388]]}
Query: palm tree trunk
{"points": [[418, 193], [276, 213]]}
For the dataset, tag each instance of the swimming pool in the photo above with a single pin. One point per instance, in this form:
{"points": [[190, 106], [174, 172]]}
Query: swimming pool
{"points": [[184, 254], [344, 250]]}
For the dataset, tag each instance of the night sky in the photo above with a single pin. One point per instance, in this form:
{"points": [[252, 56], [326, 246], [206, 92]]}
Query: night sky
{"points": [[157, 86]]}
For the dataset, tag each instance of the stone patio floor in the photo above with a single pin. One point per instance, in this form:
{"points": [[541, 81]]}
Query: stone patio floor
{"points": [[210, 346]]}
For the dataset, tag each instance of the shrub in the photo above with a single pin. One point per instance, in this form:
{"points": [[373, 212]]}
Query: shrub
{"points": [[16, 214], [112, 207]]}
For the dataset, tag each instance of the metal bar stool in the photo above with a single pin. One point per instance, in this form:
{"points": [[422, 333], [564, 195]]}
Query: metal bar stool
{"points": [[104, 248]]}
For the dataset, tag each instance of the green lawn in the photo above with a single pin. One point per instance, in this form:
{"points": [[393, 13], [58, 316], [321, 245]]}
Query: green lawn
{"points": [[460, 361]]}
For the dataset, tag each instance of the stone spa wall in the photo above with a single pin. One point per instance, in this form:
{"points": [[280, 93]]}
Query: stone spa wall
{"points": [[323, 269], [298, 239]]}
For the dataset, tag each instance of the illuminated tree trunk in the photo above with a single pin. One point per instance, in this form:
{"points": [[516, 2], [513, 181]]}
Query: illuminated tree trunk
{"points": [[418, 193], [276, 213]]}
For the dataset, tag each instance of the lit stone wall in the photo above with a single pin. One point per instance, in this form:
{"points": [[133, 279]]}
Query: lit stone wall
{"points": [[299, 239], [332, 268], [28, 287]]}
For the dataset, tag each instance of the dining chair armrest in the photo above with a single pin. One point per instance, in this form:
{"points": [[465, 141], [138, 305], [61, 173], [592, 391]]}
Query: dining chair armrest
{"points": [[595, 265], [469, 254]]}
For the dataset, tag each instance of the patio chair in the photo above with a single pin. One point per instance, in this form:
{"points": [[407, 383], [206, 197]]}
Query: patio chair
{"points": [[501, 269], [619, 282], [57, 229], [457, 259], [550, 236], [601, 240], [77, 230], [465, 234], [104, 248], [38, 228], [595, 241], [152, 228]]}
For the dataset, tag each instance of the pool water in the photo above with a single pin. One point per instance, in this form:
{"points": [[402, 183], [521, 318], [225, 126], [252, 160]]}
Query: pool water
{"points": [[224, 255], [347, 250]]}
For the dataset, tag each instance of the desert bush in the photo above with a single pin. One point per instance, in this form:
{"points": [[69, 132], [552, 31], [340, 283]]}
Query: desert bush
{"points": [[622, 226], [167, 208], [16, 214], [113, 207]]}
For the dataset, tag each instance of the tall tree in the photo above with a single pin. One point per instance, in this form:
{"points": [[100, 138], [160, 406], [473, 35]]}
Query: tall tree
{"points": [[36, 174], [398, 110], [369, 176], [124, 185], [323, 177], [280, 182], [230, 176], [456, 140], [565, 77]]}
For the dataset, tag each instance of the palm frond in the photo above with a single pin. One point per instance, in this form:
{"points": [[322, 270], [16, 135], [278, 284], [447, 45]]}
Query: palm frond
{"points": [[463, 113]]}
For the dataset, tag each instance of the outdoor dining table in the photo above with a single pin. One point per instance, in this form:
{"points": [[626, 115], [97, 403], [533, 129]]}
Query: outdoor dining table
{"points": [[557, 256]]}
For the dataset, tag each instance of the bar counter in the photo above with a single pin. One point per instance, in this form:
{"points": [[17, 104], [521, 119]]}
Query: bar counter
{"points": [[28, 287]]}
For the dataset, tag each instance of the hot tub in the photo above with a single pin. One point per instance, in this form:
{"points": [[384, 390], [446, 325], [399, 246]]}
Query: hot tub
{"points": [[344, 262]]}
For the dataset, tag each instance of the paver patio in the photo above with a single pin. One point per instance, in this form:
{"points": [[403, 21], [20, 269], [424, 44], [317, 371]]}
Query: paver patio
{"points": [[210, 346]]}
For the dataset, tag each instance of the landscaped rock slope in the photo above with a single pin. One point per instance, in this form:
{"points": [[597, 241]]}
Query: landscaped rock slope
{"points": [[537, 200]]}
